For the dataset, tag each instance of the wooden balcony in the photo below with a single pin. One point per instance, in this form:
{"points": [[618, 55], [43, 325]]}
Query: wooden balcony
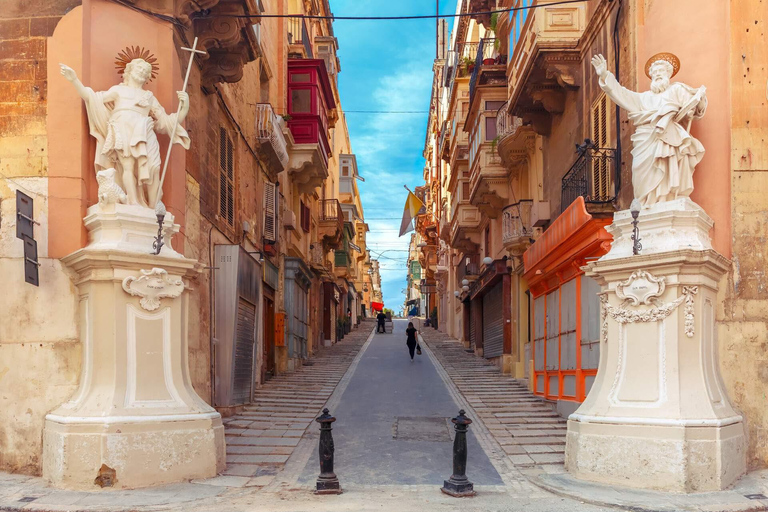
{"points": [[310, 102], [331, 226]]}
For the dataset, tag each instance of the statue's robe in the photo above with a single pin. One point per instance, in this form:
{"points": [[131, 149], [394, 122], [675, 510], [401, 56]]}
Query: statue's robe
{"points": [[129, 130], [664, 154]]}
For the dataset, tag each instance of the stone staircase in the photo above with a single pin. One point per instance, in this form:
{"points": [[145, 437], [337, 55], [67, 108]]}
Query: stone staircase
{"points": [[527, 428], [262, 438]]}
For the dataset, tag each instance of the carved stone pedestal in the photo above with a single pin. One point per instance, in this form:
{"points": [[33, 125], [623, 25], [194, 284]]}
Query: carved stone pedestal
{"points": [[658, 415], [135, 412]]}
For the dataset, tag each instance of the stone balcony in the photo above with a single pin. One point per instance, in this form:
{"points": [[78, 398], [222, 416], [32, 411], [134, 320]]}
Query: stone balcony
{"points": [[545, 60], [464, 228], [517, 229], [515, 141], [330, 228], [272, 147], [488, 182]]}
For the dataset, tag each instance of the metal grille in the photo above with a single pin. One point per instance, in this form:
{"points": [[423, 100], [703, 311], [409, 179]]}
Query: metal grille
{"points": [[493, 324], [246, 326], [591, 176], [226, 178]]}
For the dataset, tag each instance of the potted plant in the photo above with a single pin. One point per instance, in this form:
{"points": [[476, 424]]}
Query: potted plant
{"points": [[468, 64]]}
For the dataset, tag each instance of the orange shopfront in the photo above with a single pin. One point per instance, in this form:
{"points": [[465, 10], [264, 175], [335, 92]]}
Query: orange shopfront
{"points": [[566, 308]]}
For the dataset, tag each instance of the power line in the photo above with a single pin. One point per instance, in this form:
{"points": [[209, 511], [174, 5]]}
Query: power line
{"points": [[205, 14], [386, 111]]}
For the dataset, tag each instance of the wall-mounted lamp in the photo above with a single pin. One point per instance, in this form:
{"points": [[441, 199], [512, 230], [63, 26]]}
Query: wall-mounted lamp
{"points": [[456, 293], [487, 260], [260, 257], [465, 282], [465, 288]]}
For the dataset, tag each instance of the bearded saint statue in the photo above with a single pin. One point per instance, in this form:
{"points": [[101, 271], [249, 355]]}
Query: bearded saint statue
{"points": [[664, 154], [123, 120]]}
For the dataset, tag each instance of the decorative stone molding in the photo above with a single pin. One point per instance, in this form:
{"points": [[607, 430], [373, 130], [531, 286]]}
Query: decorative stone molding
{"points": [[230, 42], [152, 286], [659, 312], [641, 288]]}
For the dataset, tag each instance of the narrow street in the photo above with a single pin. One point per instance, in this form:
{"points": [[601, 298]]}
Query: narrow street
{"points": [[393, 423]]}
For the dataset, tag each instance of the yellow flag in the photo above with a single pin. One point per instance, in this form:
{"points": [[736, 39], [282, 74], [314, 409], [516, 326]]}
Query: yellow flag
{"points": [[412, 207]]}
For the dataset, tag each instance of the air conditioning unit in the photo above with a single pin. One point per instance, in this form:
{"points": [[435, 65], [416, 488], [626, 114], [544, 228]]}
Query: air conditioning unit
{"points": [[539, 214], [289, 220]]}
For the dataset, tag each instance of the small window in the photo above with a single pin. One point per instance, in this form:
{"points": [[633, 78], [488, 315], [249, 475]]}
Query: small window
{"points": [[490, 128], [305, 217], [301, 101], [465, 191], [493, 105], [226, 178], [345, 170], [301, 78]]}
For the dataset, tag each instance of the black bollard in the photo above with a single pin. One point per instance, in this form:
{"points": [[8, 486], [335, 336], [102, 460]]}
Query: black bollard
{"points": [[459, 485], [327, 482]]}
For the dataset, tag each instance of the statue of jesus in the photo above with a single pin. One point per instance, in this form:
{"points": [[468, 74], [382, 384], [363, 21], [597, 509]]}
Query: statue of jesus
{"points": [[664, 154], [123, 120]]}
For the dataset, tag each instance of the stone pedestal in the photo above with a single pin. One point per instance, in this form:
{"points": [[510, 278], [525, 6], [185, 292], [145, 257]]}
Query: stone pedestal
{"points": [[135, 412], [658, 415]]}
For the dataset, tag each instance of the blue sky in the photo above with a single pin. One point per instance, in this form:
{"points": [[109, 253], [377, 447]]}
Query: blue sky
{"points": [[387, 66]]}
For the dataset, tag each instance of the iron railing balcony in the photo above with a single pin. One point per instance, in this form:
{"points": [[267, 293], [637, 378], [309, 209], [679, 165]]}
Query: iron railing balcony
{"points": [[485, 50], [592, 176], [506, 123], [269, 132], [517, 228], [299, 35]]}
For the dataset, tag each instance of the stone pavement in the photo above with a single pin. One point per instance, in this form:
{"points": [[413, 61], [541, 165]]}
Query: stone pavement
{"points": [[393, 422], [527, 428], [263, 437]]}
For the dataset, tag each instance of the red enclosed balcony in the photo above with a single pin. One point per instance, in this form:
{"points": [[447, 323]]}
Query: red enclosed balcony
{"points": [[310, 105]]}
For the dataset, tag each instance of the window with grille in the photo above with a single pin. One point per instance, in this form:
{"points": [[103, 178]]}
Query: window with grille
{"points": [[226, 178], [305, 219], [600, 135]]}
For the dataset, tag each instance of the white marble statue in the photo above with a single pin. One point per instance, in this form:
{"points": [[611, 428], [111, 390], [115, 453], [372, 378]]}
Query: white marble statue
{"points": [[123, 120], [664, 154]]}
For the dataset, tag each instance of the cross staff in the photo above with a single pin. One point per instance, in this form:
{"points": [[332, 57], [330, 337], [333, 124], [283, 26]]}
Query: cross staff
{"points": [[192, 51]]}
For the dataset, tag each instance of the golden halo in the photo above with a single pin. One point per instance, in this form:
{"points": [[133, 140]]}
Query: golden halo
{"points": [[666, 57], [134, 52]]}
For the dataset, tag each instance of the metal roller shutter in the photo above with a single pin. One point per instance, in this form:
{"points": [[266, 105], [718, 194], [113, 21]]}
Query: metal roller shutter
{"points": [[246, 325], [472, 326], [493, 325]]}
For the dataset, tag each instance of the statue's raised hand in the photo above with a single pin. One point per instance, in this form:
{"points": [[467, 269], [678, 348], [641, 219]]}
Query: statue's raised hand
{"points": [[68, 72], [600, 65]]}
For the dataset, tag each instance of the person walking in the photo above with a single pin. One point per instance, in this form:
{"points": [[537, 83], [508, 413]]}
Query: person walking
{"points": [[411, 341], [381, 318]]}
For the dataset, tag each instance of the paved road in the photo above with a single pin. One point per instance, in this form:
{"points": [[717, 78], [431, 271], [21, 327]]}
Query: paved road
{"points": [[388, 395]]}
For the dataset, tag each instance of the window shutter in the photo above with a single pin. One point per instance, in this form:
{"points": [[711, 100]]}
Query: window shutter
{"points": [[226, 178], [270, 206], [601, 179]]}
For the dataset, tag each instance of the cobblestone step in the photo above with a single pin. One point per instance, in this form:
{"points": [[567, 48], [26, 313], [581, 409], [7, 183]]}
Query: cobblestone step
{"points": [[262, 438], [528, 429]]}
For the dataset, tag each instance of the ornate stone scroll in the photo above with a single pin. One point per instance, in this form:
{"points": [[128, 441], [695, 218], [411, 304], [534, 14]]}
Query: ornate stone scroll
{"points": [[152, 286]]}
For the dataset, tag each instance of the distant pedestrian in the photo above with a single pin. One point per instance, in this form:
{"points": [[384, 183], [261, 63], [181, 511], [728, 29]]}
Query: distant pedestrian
{"points": [[411, 341], [381, 318]]}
